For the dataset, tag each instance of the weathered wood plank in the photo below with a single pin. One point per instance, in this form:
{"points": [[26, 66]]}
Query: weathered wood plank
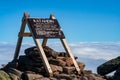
{"points": [[20, 38], [70, 54], [44, 41]]}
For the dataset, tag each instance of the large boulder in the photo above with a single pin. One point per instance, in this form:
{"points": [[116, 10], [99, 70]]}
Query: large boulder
{"points": [[109, 66], [117, 74]]}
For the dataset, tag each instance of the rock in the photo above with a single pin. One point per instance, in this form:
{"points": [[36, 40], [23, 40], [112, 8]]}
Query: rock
{"points": [[91, 76], [69, 70], [75, 79], [81, 65], [109, 66], [56, 68], [12, 64], [62, 58], [14, 72], [52, 78], [68, 61], [32, 52], [29, 76], [83, 78], [87, 72], [61, 63], [55, 73], [25, 60], [14, 77], [63, 76], [3, 65], [4, 75], [117, 74], [50, 52], [58, 62], [63, 54], [43, 78]]}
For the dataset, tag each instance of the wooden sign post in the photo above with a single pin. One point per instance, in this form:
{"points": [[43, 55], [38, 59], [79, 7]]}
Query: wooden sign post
{"points": [[43, 28]]}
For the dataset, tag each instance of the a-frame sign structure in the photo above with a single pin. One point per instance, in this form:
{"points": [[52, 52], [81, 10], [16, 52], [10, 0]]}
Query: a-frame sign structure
{"points": [[43, 28]]}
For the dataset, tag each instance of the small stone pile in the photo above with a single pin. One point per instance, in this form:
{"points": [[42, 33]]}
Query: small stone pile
{"points": [[30, 67]]}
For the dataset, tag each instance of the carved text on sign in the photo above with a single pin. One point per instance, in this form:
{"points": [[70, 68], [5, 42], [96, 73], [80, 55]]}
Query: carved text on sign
{"points": [[45, 28]]}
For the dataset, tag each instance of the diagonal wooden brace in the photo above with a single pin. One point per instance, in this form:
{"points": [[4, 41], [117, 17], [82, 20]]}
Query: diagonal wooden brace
{"points": [[70, 54]]}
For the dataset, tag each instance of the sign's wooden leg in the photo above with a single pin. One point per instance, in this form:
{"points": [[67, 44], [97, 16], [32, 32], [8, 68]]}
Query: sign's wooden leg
{"points": [[70, 54], [44, 41], [44, 58], [20, 35], [18, 47]]}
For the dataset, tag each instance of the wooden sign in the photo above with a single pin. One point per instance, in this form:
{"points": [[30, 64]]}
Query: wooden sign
{"points": [[45, 28]]}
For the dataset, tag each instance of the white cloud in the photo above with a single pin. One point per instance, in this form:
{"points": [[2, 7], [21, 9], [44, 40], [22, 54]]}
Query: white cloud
{"points": [[7, 51], [97, 50], [91, 53], [92, 50]]}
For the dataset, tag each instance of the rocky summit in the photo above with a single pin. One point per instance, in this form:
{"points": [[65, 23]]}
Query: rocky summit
{"points": [[30, 67]]}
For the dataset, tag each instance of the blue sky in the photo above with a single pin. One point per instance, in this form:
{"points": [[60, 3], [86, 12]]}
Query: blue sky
{"points": [[92, 27], [81, 20]]}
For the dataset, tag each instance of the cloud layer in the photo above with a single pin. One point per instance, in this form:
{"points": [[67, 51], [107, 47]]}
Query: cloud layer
{"points": [[96, 50], [91, 53]]}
